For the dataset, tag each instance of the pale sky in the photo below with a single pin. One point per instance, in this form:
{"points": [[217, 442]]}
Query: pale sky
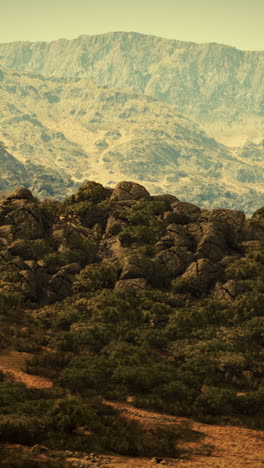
{"points": [[234, 22]]}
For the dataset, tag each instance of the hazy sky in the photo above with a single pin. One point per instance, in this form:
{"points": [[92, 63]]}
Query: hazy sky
{"points": [[235, 22]]}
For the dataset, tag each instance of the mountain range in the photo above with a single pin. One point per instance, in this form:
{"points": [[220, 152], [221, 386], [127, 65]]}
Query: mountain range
{"points": [[220, 86], [122, 106]]}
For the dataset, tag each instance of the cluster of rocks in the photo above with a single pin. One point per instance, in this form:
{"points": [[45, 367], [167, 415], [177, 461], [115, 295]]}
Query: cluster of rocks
{"points": [[196, 245]]}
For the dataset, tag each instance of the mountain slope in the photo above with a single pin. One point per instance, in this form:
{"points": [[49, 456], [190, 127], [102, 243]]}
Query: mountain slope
{"points": [[218, 85], [43, 181], [98, 133]]}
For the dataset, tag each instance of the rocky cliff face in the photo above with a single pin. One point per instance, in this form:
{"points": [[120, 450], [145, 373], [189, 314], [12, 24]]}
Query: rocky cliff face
{"points": [[81, 131], [220, 86]]}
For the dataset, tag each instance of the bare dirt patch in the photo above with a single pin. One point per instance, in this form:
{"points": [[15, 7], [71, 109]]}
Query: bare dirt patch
{"points": [[13, 366], [226, 446]]}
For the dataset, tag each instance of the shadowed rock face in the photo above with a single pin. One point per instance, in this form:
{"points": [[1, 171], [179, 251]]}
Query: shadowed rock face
{"points": [[45, 244]]}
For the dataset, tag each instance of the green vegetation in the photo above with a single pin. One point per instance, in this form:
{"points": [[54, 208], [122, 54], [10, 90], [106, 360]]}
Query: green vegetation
{"points": [[107, 319]]}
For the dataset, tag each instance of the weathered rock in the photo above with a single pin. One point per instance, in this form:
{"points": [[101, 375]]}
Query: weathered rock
{"points": [[21, 248], [228, 259], [203, 273], [185, 213], [21, 193], [178, 236], [137, 266], [228, 291], [233, 218], [112, 249], [129, 191], [213, 241], [34, 280], [113, 226], [21, 211], [167, 197], [71, 235], [172, 262], [61, 284], [232, 221]]}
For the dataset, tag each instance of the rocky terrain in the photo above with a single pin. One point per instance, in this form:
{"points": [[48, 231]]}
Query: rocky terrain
{"points": [[43, 181], [217, 85], [64, 132], [116, 297]]}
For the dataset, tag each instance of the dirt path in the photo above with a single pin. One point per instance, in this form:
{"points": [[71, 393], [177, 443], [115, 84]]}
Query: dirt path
{"points": [[13, 365], [231, 447]]}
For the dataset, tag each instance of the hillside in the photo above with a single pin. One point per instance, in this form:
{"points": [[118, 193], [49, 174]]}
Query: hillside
{"points": [[43, 181], [117, 296], [219, 86], [80, 131]]}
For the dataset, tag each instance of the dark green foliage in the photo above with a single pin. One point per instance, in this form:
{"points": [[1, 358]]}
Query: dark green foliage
{"points": [[90, 191], [87, 212], [94, 277], [186, 350], [50, 210]]}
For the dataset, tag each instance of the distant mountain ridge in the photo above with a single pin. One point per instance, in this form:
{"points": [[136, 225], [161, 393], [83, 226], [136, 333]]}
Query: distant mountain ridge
{"points": [[219, 85]]}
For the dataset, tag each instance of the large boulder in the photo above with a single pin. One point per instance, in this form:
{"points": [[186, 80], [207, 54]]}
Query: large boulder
{"points": [[68, 234], [228, 291], [129, 191], [231, 221], [177, 236], [21, 193], [203, 274], [137, 266], [61, 284], [22, 212], [213, 241], [184, 213], [172, 262]]}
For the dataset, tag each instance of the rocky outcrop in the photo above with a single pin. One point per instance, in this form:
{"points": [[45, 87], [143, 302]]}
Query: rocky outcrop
{"points": [[137, 266], [203, 273], [129, 191], [137, 238], [20, 216]]}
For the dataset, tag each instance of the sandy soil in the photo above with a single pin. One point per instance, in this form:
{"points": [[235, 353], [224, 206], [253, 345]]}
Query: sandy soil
{"points": [[230, 447]]}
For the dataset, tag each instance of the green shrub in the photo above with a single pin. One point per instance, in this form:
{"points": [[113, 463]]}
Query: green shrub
{"points": [[89, 191], [70, 412], [94, 277]]}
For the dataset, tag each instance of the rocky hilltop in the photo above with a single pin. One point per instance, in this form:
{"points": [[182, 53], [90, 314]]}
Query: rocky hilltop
{"points": [[114, 295], [76, 131], [217, 85], [153, 241]]}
